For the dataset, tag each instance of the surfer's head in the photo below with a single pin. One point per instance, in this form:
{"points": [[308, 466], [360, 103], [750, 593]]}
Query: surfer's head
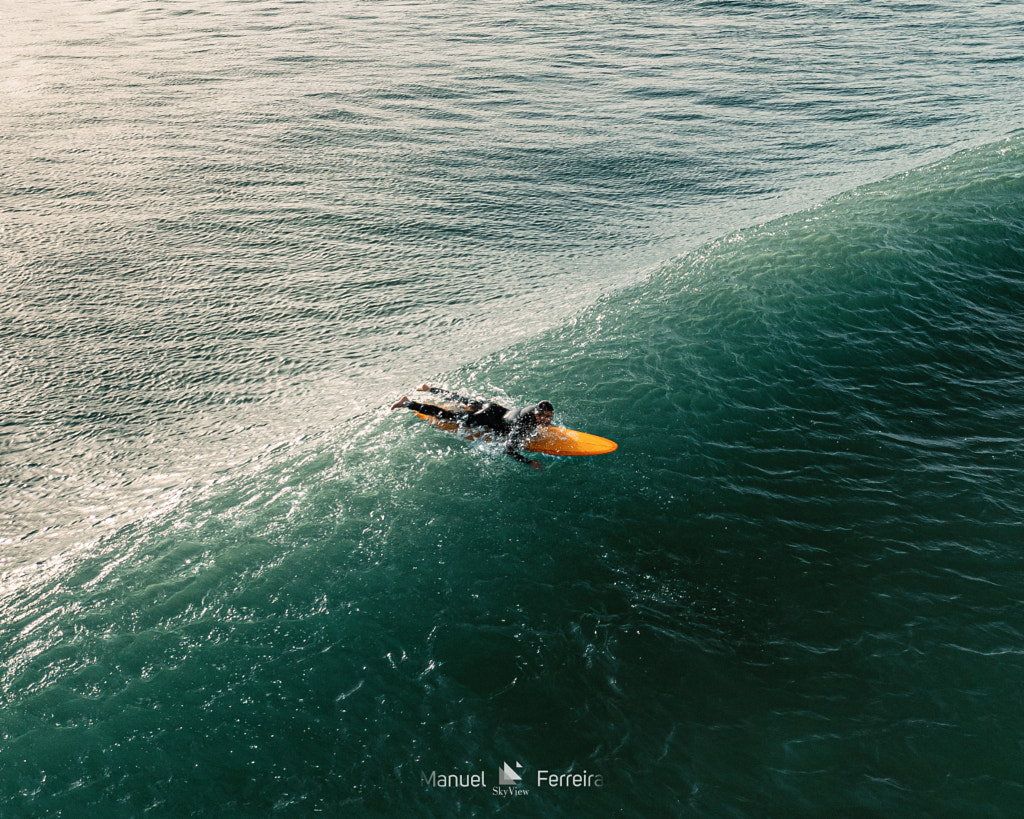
{"points": [[543, 413]]}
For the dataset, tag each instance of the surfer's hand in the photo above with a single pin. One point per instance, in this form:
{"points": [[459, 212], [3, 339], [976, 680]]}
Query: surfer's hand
{"points": [[536, 465], [423, 388], [401, 402]]}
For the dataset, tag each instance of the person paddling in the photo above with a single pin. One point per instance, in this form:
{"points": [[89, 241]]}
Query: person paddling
{"points": [[518, 424]]}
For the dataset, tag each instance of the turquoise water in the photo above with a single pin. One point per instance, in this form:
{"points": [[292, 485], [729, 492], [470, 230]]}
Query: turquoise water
{"points": [[775, 251]]}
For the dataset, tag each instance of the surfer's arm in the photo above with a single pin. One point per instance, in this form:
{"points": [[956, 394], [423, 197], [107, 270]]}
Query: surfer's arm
{"points": [[512, 451]]}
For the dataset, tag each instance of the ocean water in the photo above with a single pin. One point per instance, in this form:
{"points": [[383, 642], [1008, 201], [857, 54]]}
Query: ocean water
{"points": [[774, 250]]}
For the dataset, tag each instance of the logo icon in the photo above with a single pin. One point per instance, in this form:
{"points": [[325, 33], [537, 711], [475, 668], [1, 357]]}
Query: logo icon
{"points": [[506, 776]]}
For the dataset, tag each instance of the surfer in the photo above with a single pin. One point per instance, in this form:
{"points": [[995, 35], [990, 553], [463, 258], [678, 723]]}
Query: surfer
{"points": [[517, 424]]}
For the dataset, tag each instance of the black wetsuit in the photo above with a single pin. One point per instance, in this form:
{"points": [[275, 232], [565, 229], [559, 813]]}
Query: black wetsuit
{"points": [[518, 424]]}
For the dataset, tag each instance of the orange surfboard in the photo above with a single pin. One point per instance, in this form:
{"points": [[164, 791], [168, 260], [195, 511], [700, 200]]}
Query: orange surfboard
{"points": [[546, 441]]}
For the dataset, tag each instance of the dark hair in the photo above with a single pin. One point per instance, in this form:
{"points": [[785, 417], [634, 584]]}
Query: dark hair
{"points": [[545, 406]]}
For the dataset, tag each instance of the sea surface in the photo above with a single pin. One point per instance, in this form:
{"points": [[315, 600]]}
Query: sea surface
{"points": [[774, 249]]}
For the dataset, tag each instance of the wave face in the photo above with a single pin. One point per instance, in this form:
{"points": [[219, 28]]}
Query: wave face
{"points": [[793, 590], [226, 226]]}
